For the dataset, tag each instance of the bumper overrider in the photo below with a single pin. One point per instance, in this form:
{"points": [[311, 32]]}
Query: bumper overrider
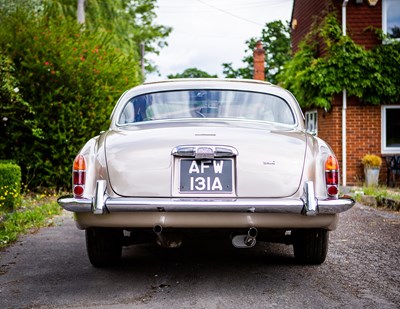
{"points": [[308, 205]]}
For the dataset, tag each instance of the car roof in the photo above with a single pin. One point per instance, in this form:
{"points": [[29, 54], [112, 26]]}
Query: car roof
{"points": [[209, 83], [231, 80]]}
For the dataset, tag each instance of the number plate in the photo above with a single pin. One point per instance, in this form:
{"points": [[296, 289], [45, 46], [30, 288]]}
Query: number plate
{"points": [[206, 176]]}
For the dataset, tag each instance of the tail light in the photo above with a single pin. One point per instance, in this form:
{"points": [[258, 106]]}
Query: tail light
{"points": [[79, 176], [332, 176]]}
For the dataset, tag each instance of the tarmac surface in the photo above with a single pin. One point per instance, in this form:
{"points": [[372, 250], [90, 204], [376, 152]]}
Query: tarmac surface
{"points": [[50, 269]]}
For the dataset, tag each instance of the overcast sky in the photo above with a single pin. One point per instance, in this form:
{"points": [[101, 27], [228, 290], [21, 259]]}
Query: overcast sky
{"points": [[207, 33]]}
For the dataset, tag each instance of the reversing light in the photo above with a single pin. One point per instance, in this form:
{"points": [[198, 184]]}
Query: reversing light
{"points": [[79, 175], [332, 176]]}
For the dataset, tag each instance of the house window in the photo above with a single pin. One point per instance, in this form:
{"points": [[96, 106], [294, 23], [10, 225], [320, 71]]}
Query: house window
{"points": [[312, 122], [391, 129], [391, 18]]}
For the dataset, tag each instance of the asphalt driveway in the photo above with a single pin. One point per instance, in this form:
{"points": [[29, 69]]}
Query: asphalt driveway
{"points": [[50, 269]]}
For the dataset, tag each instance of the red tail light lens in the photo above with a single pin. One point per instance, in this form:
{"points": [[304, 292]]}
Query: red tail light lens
{"points": [[332, 176], [332, 191], [79, 175]]}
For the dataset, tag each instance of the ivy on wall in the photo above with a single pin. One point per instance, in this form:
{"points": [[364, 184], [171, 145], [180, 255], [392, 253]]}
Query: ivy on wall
{"points": [[371, 75]]}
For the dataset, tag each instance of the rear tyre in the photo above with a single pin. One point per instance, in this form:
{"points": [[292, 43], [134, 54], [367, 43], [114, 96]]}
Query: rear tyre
{"points": [[310, 246], [104, 246]]}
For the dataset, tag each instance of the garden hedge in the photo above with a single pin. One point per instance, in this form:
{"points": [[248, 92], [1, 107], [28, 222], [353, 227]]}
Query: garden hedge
{"points": [[10, 186]]}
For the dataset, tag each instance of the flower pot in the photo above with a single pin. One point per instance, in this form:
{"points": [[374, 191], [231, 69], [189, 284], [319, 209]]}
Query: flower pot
{"points": [[371, 176]]}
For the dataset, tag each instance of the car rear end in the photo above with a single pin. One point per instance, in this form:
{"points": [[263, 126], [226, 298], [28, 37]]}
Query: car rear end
{"points": [[221, 163]]}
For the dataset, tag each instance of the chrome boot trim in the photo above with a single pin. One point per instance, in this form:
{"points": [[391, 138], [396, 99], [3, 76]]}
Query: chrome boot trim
{"points": [[310, 203], [204, 151], [99, 201]]}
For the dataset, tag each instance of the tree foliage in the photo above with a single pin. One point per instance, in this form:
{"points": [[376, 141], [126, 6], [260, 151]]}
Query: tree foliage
{"points": [[128, 23], [192, 73], [12, 105], [60, 82], [276, 42], [371, 75]]}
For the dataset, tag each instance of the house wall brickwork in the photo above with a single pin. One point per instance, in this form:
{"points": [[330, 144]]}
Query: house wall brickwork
{"points": [[361, 21], [363, 121], [304, 15], [363, 135]]}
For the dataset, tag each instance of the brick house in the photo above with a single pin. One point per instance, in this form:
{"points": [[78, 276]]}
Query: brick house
{"points": [[368, 128]]}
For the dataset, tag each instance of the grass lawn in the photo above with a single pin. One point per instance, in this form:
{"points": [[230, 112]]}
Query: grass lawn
{"points": [[35, 211]]}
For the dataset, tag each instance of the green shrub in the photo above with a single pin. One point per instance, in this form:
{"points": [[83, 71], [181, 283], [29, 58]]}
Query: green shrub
{"points": [[11, 161], [70, 79], [371, 75], [10, 186]]}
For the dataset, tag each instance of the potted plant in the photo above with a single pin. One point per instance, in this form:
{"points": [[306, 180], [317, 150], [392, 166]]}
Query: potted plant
{"points": [[372, 164]]}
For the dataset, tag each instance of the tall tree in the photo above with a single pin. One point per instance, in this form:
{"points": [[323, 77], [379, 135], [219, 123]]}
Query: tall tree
{"points": [[133, 24], [276, 42], [62, 79], [130, 23]]}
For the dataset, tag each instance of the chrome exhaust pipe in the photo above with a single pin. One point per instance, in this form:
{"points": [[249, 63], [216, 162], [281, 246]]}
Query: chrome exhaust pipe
{"points": [[169, 240], [161, 241], [157, 229], [250, 239], [245, 241]]}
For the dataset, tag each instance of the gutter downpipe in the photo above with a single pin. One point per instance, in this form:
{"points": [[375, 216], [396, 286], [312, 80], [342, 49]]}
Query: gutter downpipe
{"points": [[344, 108]]}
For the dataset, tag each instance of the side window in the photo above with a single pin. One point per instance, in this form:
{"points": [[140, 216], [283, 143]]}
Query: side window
{"points": [[391, 18], [312, 122], [390, 129], [136, 110], [128, 114]]}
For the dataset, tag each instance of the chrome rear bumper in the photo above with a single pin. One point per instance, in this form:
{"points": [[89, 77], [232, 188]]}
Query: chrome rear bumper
{"points": [[308, 205]]}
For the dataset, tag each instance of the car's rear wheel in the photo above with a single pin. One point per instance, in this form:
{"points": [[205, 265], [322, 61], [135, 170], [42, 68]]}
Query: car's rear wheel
{"points": [[104, 246], [310, 246]]}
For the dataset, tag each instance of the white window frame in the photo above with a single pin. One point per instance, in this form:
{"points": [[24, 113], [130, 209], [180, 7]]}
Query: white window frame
{"points": [[384, 148], [384, 19], [313, 112]]}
